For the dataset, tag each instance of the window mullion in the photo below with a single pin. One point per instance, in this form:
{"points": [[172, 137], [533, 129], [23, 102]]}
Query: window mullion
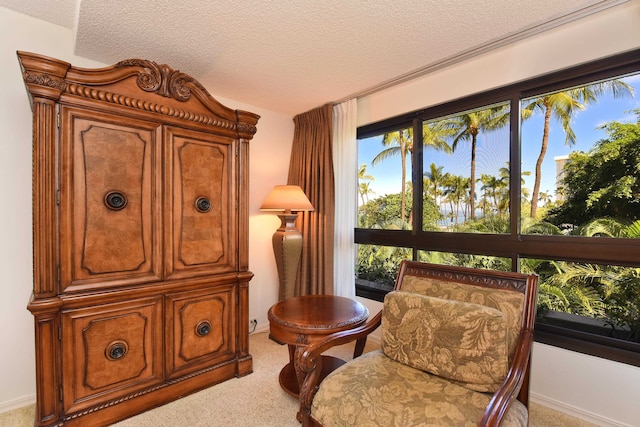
{"points": [[417, 174], [515, 166]]}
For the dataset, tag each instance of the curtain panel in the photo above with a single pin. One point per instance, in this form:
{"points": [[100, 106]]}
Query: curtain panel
{"points": [[311, 168], [345, 161]]}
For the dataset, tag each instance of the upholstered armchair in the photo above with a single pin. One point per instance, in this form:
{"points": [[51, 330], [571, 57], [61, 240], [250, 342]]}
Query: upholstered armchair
{"points": [[455, 351]]}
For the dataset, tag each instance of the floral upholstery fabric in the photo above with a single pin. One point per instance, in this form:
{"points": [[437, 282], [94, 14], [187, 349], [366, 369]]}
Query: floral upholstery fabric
{"points": [[510, 303], [454, 340], [374, 390], [431, 329]]}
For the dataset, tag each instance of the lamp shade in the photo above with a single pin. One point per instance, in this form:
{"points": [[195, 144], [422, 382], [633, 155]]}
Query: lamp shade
{"points": [[286, 198]]}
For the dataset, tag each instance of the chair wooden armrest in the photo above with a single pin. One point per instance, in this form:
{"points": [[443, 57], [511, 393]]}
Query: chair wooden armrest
{"points": [[512, 387], [311, 361]]}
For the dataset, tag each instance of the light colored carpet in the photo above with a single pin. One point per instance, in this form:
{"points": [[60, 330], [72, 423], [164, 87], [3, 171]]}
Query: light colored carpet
{"points": [[255, 400]]}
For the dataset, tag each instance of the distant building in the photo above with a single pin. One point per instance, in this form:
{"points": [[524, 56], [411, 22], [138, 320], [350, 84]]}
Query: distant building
{"points": [[560, 162]]}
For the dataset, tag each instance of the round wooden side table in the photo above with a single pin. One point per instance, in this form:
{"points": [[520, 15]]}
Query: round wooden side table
{"points": [[300, 321]]}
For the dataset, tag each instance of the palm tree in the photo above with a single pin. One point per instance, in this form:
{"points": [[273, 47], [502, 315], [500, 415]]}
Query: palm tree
{"points": [[608, 292], [603, 291], [545, 198], [364, 188], [607, 227], [434, 179], [434, 135], [620, 285], [570, 290], [505, 177], [362, 173], [563, 106], [533, 226], [456, 188], [466, 127], [490, 189], [400, 142]]}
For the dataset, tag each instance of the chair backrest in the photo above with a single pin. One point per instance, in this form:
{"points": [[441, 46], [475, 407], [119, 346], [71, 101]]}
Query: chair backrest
{"points": [[459, 323], [514, 294]]}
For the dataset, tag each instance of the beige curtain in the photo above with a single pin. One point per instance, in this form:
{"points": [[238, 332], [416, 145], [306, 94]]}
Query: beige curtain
{"points": [[345, 161], [311, 167]]}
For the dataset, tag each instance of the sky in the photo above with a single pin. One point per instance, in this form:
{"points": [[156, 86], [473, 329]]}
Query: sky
{"points": [[493, 149]]}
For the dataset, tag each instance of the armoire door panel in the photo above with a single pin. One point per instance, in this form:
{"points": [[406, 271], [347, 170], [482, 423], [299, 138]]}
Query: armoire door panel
{"points": [[201, 169], [201, 222], [111, 351], [113, 193], [114, 181], [200, 328]]}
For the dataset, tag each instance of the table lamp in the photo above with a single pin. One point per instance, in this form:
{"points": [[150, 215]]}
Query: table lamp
{"points": [[287, 240]]}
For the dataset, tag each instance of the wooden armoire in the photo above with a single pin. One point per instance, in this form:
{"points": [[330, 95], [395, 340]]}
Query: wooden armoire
{"points": [[140, 219]]}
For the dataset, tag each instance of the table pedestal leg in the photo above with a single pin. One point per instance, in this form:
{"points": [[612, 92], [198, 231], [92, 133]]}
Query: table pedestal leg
{"points": [[289, 378]]}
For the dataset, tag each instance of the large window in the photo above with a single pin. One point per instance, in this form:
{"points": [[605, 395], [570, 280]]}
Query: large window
{"points": [[541, 176]]}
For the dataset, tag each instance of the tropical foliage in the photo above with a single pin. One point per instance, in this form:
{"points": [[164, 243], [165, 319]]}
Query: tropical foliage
{"points": [[563, 106], [600, 192], [605, 181]]}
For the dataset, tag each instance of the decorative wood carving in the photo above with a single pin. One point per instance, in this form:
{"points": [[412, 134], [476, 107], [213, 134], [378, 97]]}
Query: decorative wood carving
{"points": [[452, 275], [44, 80], [161, 79]]}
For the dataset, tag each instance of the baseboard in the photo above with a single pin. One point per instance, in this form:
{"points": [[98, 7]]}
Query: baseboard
{"points": [[264, 327], [18, 403], [575, 412]]}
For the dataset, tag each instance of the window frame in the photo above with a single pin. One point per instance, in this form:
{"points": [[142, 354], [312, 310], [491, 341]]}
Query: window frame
{"points": [[625, 252]]}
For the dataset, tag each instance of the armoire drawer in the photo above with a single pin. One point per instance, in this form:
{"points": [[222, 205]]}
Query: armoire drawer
{"points": [[200, 328], [110, 351]]}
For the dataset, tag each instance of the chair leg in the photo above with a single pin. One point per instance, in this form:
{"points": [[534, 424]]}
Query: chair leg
{"points": [[523, 396], [360, 343]]}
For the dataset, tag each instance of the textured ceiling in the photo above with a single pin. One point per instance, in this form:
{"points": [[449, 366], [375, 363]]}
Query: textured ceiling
{"points": [[294, 55]]}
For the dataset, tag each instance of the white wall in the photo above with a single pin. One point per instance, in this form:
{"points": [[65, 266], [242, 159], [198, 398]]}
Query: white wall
{"points": [[609, 32], [603, 392], [269, 165], [269, 160], [595, 389], [17, 360]]}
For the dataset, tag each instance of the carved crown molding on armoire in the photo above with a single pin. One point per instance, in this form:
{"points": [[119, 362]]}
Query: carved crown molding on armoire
{"points": [[140, 225]]}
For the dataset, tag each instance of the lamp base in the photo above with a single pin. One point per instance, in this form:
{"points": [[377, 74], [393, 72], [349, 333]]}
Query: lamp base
{"points": [[287, 247]]}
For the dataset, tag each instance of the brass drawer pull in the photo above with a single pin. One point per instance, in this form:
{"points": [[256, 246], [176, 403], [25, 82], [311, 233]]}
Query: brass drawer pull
{"points": [[116, 350], [203, 328], [115, 200], [203, 205]]}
